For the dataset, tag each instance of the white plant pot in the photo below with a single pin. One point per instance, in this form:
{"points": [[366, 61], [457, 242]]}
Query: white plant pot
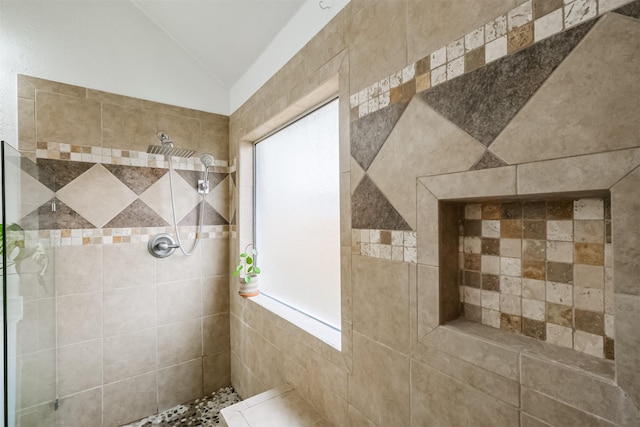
{"points": [[249, 289]]}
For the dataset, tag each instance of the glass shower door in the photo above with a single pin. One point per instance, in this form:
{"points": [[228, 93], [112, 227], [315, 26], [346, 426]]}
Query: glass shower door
{"points": [[28, 298]]}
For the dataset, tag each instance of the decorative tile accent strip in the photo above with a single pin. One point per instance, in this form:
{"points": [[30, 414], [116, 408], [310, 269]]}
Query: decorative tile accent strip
{"points": [[113, 156], [113, 236], [542, 269], [385, 244], [521, 27]]}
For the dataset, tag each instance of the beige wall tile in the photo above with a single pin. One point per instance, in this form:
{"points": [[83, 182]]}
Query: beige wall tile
{"points": [[78, 269], [215, 333], [625, 203], [379, 383], [184, 131], [214, 255], [427, 227], [130, 400], [324, 373], [432, 404], [179, 342], [181, 267], [484, 183], [67, 119], [582, 391], [179, 384], [478, 352], [128, 128], [215, 139], [129, 354], [81, 409], [375, 33], [36, 373], [79, 317], [179, 301], [431, 25], [385, 287], [556, 413], [487, 382], [127, 265], [26, 125], [428, 304], [79, 367], [215, 295], [627, 343], [216, 371], [583, 173], [129, 309]]}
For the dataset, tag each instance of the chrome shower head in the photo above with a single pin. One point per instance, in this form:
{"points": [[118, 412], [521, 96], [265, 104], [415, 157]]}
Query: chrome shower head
{"points": [[166, 147], [207, 160]]}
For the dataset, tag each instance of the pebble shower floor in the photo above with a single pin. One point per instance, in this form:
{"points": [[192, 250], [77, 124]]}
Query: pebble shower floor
{"points": [[204, 412]]}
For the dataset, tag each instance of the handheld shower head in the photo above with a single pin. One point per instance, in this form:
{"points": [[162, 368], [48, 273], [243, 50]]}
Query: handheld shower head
{"points": [[207, 160]]}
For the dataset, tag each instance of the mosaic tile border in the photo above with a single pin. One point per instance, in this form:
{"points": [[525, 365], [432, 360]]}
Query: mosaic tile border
{"points": [[385, 244], [113, 236], [114, 156], [519, 28]]}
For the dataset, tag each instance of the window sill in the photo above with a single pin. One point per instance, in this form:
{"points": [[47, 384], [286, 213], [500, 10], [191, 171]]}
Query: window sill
{"points": [[308, 324]]}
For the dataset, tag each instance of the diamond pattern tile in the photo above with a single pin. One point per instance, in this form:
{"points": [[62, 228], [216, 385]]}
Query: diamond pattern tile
{"points": [[218, 198], [158, 197], [138, 179], [58, 173], [371, 209], [137, 214], [484, 101], [34, 193], [422, 143], [211, 217], [97, 195], [63, 218]]}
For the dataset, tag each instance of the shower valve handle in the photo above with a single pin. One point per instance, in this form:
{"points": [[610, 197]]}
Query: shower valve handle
{"points": [[164, 246]]}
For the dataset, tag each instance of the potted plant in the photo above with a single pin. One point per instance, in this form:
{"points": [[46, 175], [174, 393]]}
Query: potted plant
{"points": [[247, 270]]}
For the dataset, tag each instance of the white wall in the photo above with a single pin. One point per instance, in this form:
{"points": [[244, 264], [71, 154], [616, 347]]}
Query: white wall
{"points": [[104, 45], [305, 24]]}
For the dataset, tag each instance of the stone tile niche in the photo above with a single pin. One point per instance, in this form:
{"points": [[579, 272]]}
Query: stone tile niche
{"points": [[540, 268], [480, 257]]}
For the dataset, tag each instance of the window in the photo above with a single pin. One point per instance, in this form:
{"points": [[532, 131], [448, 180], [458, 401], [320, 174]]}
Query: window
{"points": [[297, 215]]}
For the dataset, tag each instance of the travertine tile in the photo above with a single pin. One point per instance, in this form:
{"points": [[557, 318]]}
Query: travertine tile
{"points": [[559, 335], [560, 251], [588, 298], [559, 293], [578, 11], [585, 342], [589, 231], [560, 231], [548, 25], [534, 289], [510, 248], [561, 315], [495, 49], [519, 16], [495, 28], [588, 276], [520, 38], [589, 253], [533, 309]]}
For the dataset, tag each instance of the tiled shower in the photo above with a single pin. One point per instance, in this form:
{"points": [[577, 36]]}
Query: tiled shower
{"points": [[122, 334]]}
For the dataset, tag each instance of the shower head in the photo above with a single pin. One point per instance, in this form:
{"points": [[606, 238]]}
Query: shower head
{"points": [[207, 160], [166, 148]]}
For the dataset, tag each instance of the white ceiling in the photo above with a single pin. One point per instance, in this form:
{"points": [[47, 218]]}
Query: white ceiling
{"points": [[224, 36]]}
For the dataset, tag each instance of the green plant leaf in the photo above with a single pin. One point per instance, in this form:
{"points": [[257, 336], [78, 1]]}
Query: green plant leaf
{"points": [[249, 260], [243, 255], [256, 270], [249, 270], [239, 268], [235, 273], [247, 279]]}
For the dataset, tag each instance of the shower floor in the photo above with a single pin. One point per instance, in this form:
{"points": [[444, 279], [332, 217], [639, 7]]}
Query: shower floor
{"points": [[204, 412]]}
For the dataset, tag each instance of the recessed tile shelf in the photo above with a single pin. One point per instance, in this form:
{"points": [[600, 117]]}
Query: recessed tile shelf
{"points": [[541, 268]]}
